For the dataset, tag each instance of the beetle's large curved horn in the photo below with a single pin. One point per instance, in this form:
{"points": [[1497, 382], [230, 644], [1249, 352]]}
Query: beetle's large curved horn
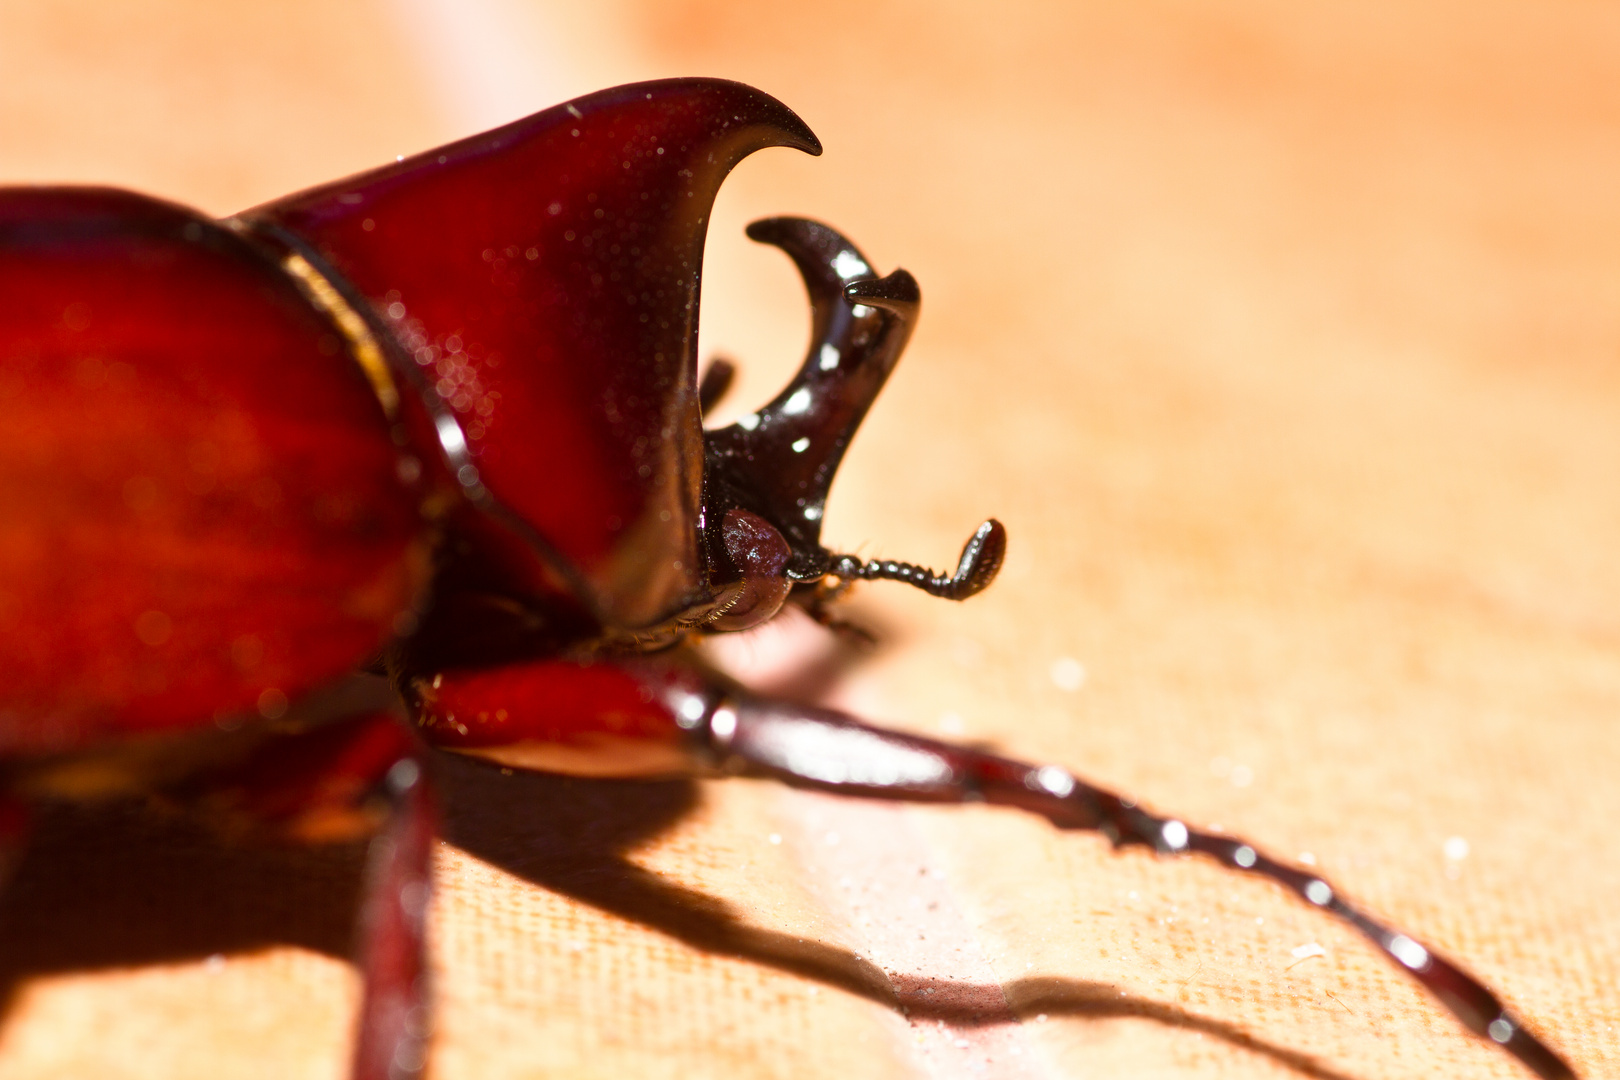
{"points": [[537, 286]]}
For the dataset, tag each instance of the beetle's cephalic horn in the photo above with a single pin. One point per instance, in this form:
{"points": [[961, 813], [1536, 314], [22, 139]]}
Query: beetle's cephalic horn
{"points": [[780, 461]]}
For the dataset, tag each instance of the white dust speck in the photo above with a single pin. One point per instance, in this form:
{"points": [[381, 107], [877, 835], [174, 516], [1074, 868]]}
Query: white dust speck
{"points": [[1068, 673]]}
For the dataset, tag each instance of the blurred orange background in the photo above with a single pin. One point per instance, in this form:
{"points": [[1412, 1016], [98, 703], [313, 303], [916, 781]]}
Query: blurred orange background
{"points": [[1284, 337]]}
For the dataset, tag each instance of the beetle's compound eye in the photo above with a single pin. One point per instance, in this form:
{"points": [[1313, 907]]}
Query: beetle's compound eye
{"points": [[761, 553]]}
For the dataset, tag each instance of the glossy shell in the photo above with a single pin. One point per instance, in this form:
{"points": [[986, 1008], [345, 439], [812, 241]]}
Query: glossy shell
{"points": [[541, 281], [202, 516]]}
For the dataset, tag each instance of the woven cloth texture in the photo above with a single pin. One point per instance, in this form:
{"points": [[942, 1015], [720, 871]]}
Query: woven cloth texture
{"points": [[1284, 338]]}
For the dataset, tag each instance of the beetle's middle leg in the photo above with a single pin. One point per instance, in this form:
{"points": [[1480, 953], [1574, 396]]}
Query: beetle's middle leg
{"points": [[357, 776], [716, 380]]}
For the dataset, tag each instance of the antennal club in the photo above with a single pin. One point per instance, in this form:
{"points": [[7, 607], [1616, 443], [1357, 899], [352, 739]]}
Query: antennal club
{"points": [[981, 560]]}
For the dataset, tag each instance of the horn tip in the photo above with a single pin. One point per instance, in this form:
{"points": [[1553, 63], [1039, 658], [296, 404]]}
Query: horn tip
{"points": [[897, 292]]}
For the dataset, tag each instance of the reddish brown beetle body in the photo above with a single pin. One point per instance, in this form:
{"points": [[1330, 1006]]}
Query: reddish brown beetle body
{"points": [[203, 512], [442, 420]]}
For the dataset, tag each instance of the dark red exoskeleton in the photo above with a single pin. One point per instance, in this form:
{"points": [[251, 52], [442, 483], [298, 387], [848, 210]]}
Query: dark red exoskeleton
{"points": [[442, 422]]}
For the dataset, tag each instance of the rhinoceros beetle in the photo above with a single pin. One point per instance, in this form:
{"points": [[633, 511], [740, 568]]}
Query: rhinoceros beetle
{"points": [[442, 421]]}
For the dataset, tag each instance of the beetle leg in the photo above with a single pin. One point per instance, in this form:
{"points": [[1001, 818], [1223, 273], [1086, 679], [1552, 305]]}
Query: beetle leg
{"points": [[13, 835], [716, 380], [642, 716], [353, 777], [819, 601], [820, 748], [395, 1015]]}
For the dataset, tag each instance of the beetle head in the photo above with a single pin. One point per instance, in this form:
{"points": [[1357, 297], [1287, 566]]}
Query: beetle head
{"points": [[766, 477]]}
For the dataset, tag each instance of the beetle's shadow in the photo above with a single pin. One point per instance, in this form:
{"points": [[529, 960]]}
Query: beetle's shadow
{"points": [[120, 885], [117, 885], [573, 837]]}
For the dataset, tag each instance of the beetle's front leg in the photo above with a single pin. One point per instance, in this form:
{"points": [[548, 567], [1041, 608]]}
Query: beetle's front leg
{"points": [[824, 749], [628, 716]]}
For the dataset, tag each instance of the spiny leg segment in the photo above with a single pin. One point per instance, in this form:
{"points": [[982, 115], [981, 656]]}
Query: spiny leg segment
{"points": [[820, 748]]}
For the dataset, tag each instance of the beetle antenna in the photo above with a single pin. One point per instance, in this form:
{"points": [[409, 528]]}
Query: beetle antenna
{"points": [[981, 560]]}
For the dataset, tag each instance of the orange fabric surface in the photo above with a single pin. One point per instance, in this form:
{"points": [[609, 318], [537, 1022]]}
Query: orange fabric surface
{"points": [[1284, 338]]}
